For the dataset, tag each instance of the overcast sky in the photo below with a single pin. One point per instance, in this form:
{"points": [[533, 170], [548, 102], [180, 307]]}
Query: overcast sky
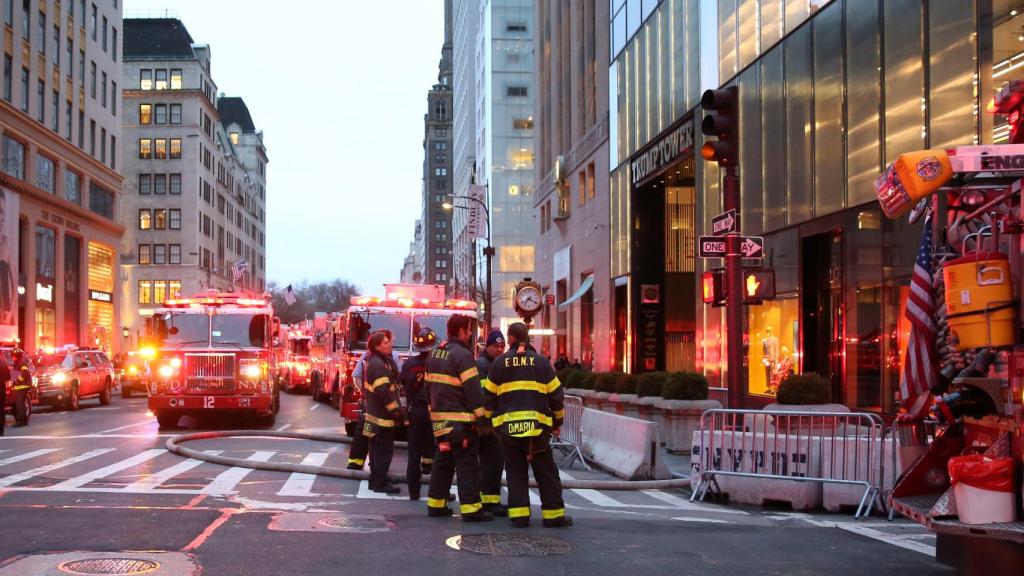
{"points": [[339, 88]]}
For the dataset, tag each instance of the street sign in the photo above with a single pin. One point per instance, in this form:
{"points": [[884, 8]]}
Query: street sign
{"points": [[752, 247], [711, 247], [724, 223]]}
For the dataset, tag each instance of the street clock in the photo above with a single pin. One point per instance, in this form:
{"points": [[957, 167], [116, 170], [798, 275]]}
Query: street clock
{"points": [[528, 299]]}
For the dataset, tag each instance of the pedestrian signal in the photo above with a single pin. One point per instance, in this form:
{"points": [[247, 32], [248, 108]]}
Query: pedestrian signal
{"points": [[712, 285], [758, 285]]}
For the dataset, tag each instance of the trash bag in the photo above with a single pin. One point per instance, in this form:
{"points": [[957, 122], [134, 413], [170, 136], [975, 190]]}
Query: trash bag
{"points": [[975, 470]]}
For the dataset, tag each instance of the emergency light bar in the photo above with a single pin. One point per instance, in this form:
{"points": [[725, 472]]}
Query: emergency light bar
{"points": [[226, 299], [406, 302]]}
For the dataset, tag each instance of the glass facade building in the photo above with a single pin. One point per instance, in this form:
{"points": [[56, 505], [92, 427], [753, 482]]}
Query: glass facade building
{"points": [[830, 91]]}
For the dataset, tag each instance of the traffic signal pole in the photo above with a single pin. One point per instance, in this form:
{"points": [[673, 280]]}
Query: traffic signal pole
{"points": [[734, 288]]}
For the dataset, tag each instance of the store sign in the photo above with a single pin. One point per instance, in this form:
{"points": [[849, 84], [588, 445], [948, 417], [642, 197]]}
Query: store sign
{"points": [[663, 152], [476, 222], [44, 293], [99, 296]]}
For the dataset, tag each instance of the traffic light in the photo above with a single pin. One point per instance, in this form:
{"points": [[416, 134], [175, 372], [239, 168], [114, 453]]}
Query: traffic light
{"points": [[720, 121], [758, 285], [712, 287]]}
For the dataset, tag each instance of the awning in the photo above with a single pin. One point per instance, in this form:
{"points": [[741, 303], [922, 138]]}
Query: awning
{"points": [[587, 284]]}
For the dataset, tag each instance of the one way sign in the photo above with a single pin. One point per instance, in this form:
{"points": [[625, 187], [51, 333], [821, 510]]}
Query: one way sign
{"points": [[714, 247]]}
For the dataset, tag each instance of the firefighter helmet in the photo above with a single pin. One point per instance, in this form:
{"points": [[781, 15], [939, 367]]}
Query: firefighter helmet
{"points": [[425, 340]]}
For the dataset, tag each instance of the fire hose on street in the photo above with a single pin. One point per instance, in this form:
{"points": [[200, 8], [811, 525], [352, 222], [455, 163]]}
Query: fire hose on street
{"points": [[174, 445]]}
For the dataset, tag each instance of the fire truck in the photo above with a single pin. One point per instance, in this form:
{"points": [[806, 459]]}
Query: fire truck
{"points": [[214, 356], [403, 310], [327, 353], [297, 371]]}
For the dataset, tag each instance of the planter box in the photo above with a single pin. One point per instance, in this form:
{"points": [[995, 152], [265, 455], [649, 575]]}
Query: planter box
{"points": [[602, 402], [616, 402], [682, 418], [588, 398], [629, 407], [647, 410]]}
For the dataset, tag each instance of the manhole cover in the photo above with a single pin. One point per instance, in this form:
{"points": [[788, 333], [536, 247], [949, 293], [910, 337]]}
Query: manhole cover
{"points": [[508, 545], [354, 523], [117, 566]]}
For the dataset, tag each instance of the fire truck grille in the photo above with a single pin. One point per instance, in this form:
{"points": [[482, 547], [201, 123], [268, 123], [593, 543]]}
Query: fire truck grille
{"points": [[206, 373]]}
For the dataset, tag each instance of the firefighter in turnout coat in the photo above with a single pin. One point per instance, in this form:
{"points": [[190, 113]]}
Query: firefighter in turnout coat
{"points": [[457, 418], [414, 389], [492, 462], [383, 411], [524, 400]]}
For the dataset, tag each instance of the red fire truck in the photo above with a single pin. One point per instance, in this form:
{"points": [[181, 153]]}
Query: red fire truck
{"points": [[403, 310], [297, 372], [328, 365], [214, 357]]}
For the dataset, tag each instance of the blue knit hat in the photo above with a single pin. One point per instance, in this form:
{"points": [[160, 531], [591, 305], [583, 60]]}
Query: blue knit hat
{"points": [[495, 337]]}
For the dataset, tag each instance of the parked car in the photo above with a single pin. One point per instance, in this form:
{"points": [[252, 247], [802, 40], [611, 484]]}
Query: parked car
{"points": [[64, 378], [32, 395], [135, 376]]}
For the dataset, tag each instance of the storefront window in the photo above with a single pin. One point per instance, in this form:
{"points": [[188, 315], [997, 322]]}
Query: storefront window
{"points": [[774, 351], [72, 291], [773, 123], [904, 77], [751, 193], [829, 177], [799, 117], [101, 279], [679, 227], [863, 93]]}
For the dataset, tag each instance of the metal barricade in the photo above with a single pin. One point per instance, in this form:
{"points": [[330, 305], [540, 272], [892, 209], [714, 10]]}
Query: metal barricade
{"points": [[570, 440], [826, 447]]}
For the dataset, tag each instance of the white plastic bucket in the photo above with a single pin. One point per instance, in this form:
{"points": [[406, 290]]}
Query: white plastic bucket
{"points": [[979, 506]]}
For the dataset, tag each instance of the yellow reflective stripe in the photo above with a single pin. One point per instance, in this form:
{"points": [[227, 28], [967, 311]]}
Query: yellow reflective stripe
{"points": [[552, 514], [425, 460], [468, 373], [523, 512], [359, 461], [490, 498], [560, 414], [437, 503], [522, 415], [488, 413], [383, 422], [553, 385], [529, 433], [518, 385], [455, 416], [392, 406], [443, 379], [470, 508], [489, 386]]}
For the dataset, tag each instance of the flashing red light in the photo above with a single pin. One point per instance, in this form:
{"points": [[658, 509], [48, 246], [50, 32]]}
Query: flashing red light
{"points": [[712, 285], [1014, 117]]}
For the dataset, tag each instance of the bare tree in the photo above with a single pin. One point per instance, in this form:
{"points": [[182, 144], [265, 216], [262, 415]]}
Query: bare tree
{"points": [[331, 296]]}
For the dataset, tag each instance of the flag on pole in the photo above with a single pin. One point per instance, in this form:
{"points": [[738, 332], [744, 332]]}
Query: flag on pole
{"points": [[918, 371], [289, 295], [238, 270]]}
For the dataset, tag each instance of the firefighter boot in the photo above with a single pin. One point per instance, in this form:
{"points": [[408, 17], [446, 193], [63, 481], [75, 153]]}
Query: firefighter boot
{"points": [[478, 516], [522, 522], [439, 512], [560, 522], [498, 509]]}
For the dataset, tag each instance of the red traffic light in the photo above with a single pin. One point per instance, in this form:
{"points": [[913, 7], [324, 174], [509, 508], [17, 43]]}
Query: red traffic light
{"points": [[721, 122], [758, 285], [712, 287]]}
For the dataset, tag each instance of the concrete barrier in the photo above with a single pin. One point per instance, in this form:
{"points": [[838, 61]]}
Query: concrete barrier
{"points": [[626, 447], [681, 418]]}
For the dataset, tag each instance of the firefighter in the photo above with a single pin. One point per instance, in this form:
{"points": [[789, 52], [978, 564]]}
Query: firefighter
{"points": [[457, 414], [524, 401], [383, 410], [421, 438], [22, 385], [360, 446], [491, 461]]}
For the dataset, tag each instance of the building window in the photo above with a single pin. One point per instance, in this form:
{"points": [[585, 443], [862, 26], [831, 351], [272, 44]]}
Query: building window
{"points": [[175, 219], [440, 132], [175, 79], [104, 34], [145, 254], [174, 254], [41, 39], [522, 123], [101, 201], [516, 27], [71, 58], [92, 22], [145, 79], [159, 254], [160, 149], [440, 171], [145, 219], [113, 98], [113, 39], [14, 158], [67, 120], [145, 148], [161, 79], [24, 90], [92, 79], [72, 190], [45, 178], [92, 137], [103, 145], [174, 288], [175, 148], [113, 152], [55, 112], [175, 113], [159, 291], [175, 183], [516, 92], [161, 114], [160, 218], [513, 190], [145, 288], [159, 183], [41, 108], [440, 110], [103, 89], [234, 138], [81, 129], [145, 183], [81, 65], [8, 80]]}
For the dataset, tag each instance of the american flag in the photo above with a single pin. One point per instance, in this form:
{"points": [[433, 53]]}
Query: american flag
{"points": [[238, 270], [919, 365]]}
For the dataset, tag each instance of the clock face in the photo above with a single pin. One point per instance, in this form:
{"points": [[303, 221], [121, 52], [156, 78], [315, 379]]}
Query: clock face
{"points": [[529, 298]]}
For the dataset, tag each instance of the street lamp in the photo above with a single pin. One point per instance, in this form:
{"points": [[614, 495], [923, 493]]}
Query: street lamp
{"points": [[488, 251]]}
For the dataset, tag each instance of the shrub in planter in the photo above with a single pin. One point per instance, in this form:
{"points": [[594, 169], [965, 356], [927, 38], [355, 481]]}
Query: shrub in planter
{"points": [[626, 383], [589, 381], [805, 389], [685, 386], [650, 383], [563, 374], [605, 381], [574, 378]]}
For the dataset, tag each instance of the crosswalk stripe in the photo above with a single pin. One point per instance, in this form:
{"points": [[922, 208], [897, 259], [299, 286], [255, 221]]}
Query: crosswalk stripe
{"points": [[226, 481], [593, 496], [26, 456], [15, 478], [684, 504], [365, 492], [112, 469], [153, 480], [300, 484]]}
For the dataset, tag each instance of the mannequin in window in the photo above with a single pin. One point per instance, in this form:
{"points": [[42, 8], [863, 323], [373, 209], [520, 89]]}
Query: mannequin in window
{"points": [[783, 370], [769, 353]]}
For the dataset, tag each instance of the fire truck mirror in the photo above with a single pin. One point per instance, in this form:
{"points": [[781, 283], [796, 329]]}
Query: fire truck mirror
{"points": [[173, 330]]}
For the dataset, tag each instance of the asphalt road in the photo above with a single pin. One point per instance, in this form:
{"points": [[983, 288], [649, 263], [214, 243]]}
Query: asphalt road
{"points": [[98, 485]]}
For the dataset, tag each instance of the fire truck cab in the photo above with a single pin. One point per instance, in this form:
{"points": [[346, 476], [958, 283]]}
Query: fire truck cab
{"points": [[297, 373], [214, 356], [404, 309]]}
